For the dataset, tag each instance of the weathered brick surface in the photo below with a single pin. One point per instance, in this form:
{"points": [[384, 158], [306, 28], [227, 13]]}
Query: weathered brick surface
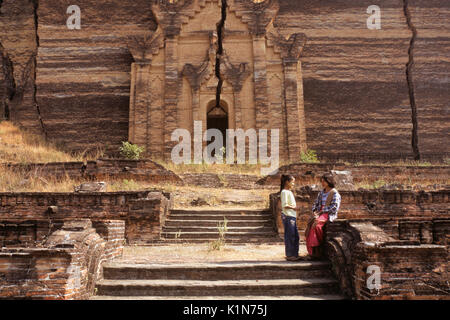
{"points": [[382, 157], [141, 211], [409, 268], [26, 233], [310, 173], [65, 266], [20, 278], [18, 50], [147, 170], [85, 80], [213, 180], [113, 232], [146, 218], [406, 271]]}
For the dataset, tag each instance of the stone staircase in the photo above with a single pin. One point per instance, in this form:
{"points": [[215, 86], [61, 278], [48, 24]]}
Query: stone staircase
{"points": [[218, 281], [199, 225]]}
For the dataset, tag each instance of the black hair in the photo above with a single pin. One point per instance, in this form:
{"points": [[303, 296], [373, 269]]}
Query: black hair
{"points": [[284, 179], [329, 179]]}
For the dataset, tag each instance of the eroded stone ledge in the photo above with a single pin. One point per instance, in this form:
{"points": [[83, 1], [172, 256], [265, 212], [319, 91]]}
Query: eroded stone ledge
{"points": [[65, 266], [409, 270], [143, 212]]}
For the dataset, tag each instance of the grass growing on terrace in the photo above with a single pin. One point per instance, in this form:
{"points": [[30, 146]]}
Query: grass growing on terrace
{"points": [[21, 181], [20, 146], [17, 146], [397, 163], [244, 169]]}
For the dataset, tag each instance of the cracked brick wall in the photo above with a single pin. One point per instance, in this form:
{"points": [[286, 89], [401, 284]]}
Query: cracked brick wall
{"points": [[356, 90], [430, 73], [18, 50], [74, 85]]}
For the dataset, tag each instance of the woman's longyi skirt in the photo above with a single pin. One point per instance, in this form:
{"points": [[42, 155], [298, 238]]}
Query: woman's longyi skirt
{"points": [[314, 237]]}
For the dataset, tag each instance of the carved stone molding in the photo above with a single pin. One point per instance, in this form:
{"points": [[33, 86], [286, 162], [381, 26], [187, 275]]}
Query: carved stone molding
{"points": [[197, 75], [290, 49], [235, 74], [171, 14], [256, 14], [143, 47]]}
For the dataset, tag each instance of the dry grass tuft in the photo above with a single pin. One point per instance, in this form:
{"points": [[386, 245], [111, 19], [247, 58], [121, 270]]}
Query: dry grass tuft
{"points": [[17, 146], [244, 169], [21, 181], [398, 163], [20, 146], [410, 181]]}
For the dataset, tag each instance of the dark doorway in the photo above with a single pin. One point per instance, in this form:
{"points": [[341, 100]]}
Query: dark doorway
{"points": [[217, 118]]}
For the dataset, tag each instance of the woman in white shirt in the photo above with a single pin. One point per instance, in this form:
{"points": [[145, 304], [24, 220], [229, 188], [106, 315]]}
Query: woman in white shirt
{"points": [[289, 217]]}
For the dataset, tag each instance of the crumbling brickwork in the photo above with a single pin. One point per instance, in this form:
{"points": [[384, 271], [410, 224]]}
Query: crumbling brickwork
{"points": [[143, 212], [409, 269], [65, 266], [310, 173], [117, 169]]}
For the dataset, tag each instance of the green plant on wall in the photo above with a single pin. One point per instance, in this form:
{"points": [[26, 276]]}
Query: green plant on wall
{"points": [[310, 156], [220, 156], [219, 243], [130, 151]]}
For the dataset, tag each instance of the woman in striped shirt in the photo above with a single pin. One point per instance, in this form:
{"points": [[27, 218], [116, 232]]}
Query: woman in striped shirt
{"points": [[325, 209]]}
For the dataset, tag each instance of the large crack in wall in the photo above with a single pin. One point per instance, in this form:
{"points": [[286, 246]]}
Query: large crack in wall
{"points": [[36, 25], [220, 32], [409, 79], [9, 83]]}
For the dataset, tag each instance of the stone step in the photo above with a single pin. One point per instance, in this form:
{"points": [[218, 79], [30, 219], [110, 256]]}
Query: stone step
{"points": [[215, 229], [212, 223], [316, 286], [220, 271], [220, 217], [215, 234], [220, 211], [267, 240], [296, 297]]}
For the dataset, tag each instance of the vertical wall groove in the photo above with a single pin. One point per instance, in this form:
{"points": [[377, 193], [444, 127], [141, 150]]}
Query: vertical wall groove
{"points": [[36, 25], [409, 79], [220, 31]]}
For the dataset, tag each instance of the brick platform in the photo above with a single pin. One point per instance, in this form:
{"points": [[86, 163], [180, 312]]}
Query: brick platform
{"points": [[64, 266]]}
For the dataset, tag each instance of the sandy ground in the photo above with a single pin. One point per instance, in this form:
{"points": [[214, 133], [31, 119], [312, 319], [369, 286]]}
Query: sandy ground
{"points": [[200, 253]]}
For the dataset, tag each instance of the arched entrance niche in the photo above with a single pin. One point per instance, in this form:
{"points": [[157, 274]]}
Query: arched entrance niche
{"points": [[217, 118]]}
